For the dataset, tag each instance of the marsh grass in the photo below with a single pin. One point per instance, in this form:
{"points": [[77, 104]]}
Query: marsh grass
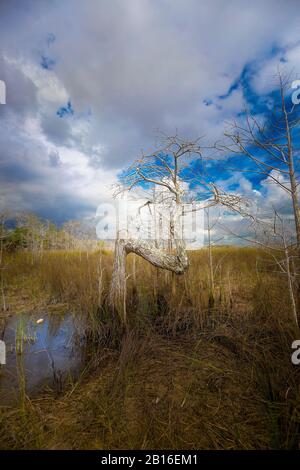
{"points": [[193, 369], [23, 335]]}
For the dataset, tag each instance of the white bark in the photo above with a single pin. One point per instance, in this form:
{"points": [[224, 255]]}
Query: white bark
{"points": [[175, 262]]}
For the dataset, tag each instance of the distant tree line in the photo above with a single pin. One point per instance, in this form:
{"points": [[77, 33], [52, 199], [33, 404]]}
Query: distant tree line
{"points": [[28, 232]]}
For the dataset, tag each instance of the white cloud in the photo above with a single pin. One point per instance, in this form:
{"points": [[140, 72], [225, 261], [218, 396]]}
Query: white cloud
{"points": [[128, 68]]}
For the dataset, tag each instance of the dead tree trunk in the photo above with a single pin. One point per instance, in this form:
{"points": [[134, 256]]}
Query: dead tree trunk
{"points": [[291, 168], [159, 169], [177, 263]]}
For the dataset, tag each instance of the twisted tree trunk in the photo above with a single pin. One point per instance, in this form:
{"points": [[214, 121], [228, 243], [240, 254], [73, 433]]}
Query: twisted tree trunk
{"points": [[177, 263]]}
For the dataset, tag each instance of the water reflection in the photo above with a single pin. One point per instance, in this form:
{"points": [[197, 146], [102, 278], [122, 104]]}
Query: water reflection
{"points": [[45, 353]]}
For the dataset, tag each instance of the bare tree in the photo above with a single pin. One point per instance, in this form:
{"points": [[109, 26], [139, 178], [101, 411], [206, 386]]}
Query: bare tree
{"points": [[210, 226], [164, 169], [160, 168], [270, 146], [274, 238]]}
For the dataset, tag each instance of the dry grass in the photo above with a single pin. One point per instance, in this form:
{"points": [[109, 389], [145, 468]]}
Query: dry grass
{"points": [[192, 370]]}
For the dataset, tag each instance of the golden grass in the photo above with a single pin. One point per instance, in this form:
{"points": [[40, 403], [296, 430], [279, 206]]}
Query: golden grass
{"points": [[191, 370]]}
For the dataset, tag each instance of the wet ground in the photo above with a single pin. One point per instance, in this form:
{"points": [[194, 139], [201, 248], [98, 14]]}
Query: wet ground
{"points": [[41, 351]]}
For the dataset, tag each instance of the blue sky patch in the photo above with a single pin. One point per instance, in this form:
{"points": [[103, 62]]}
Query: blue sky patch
{"points": [[65, 110], [47, 63]]}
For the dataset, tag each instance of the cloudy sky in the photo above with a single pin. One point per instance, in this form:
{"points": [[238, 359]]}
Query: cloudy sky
{"points": [[89, 82]]}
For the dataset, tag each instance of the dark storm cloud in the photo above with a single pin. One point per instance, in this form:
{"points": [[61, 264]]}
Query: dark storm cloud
{"points": [[20, 90], [56, 130], [54, 159], [60, 208], [138, 65]]}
